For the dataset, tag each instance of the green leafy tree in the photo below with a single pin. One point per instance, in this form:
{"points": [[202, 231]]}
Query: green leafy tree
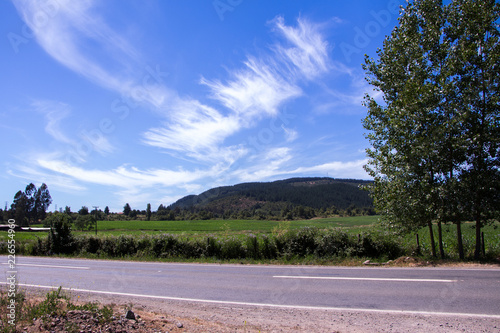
{"points": [[475, 60], [84, 210], [31, 211], [404, 127], [20, 206], [43, 199], [84, 222], [106, 210], [60, 238], [148, 212], [434, 137], [36, 202], [127, 209]]}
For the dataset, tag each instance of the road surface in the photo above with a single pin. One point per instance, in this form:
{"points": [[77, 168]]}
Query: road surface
{"points": [[466, 292]]}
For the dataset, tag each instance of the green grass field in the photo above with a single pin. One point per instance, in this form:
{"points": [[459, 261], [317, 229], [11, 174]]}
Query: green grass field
{"points": [[200, 228], [223, 226]]}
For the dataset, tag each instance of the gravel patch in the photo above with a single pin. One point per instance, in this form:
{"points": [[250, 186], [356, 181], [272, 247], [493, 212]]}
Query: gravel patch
{"points": [[182, 316]]}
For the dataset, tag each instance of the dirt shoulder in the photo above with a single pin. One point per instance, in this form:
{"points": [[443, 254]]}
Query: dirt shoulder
{"points": [[182, 316]]}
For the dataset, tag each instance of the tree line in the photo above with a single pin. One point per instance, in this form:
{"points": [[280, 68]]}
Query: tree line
{"points": [[29, 206], [435, 131]]}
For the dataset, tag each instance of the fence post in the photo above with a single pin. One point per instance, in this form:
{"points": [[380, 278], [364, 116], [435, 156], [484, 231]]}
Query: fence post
{"points": [[484, 247], [418, 245]]}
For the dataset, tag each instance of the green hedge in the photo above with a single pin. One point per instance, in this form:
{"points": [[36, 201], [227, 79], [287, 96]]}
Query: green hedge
{"points": [[298, 243]]}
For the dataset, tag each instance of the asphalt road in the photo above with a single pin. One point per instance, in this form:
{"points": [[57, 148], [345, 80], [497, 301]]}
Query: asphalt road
{"points": [[418, 290]]}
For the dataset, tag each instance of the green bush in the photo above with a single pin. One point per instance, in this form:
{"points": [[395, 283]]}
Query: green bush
{"points": [[302, 242], [60, 239], [84, 222], [268, 249], [108, 246], [165, 246], [232, 248], [89, 244], [332, 243], [125, 246], [213, 248], [252, 244]]}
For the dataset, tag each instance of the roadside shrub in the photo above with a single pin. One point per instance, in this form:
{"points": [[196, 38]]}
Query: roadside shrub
{"points": [[367, 247], [144, 245], [232, 248], [268, 250], [125, 245], [3, 247], [165, 246], [252, 243], [332, 243], [300, 242], [60, 239], [39, 247], [89, 244], [108, 246], [193, 248], [213, 247], [378, 245]]}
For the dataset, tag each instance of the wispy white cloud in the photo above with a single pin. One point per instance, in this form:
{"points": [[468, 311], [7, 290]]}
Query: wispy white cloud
{"points": [[267, 164], [255, 91], [54, 113], [196, 130], [124, 176], [290, 134], [278, 162], [337, 169], [75, 35], [308, 53], [34, 174]]}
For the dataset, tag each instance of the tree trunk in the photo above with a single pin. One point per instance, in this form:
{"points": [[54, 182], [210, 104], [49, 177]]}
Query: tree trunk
{"points": [[440, 240], [477, 251], [431, 236], [459, 241]]}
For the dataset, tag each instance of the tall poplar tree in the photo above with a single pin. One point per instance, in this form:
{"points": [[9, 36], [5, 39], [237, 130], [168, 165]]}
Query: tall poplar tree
{"points": [[474, 36], [433, 134]]}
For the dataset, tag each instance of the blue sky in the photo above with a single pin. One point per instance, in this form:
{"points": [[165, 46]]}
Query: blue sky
{"points": [[114, 102]]}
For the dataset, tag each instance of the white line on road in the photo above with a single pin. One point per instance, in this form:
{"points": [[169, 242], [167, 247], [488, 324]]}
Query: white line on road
{"points": [[297, 307], [50, 266], [362, 279]]}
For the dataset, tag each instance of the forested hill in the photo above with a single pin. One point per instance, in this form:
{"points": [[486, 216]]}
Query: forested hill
{"points": [[316, 193]]}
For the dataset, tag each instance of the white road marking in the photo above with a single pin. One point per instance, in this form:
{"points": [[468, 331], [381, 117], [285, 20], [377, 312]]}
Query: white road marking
{"points": [[361, 278], [297, 307], [50, 266]]}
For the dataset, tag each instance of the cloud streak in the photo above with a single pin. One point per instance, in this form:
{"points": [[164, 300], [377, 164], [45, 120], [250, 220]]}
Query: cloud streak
{"points": [[255, 91], [55, 113], [75, 35], [124, 178]]}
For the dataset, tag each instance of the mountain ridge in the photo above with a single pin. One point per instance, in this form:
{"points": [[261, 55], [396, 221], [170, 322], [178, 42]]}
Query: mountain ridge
{"points": [[312, 192]]}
